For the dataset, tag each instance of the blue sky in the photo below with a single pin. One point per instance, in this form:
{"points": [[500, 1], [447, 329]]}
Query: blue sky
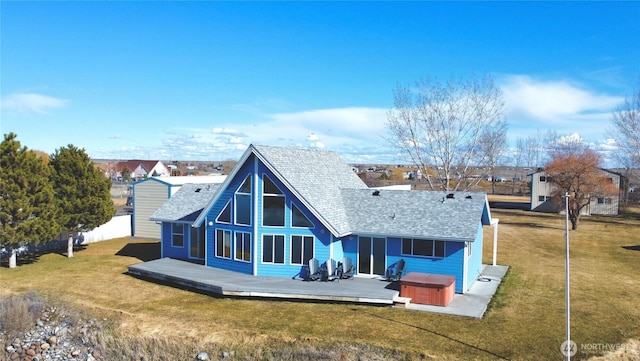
{"points": [[202, 80]]}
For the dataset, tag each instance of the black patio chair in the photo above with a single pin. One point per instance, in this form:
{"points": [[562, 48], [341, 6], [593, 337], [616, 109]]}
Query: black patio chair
{"points": [[394, 273]]}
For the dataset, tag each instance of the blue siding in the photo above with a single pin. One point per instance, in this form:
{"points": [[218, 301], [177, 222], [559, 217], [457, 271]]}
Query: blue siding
{"points": [[451, 264], [170, 251], [325, 245], [337, 250], [350, 249], [475, 261], [321, 235]]}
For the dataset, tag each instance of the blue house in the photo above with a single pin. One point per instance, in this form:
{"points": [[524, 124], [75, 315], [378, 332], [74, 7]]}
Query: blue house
{"points": [[281, 207]]}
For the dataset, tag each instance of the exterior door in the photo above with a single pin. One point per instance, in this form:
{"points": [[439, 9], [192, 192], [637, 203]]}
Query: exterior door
{"points": [[196, 240], [371, 255]]}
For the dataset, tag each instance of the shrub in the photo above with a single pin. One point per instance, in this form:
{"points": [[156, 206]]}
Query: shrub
{"points": [[18, 313]]}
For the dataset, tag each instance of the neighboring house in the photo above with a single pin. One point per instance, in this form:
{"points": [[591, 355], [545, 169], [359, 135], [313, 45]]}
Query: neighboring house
{"points": [[140, 169], [150, 193], [280, 207], [542, 200]]}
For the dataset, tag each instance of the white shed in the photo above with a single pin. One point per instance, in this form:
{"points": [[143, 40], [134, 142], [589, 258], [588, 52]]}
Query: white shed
{"points": [[150, 193]]}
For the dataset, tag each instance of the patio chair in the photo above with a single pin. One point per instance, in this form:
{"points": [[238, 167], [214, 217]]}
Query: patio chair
{"points": [[394, 273], [346, 268], [331, 271], [315, 272]]}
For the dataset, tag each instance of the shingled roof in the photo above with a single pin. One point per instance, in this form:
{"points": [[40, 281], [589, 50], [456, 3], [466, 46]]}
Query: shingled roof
{"points": [[330, 189], [187, 204], [437, 215], [316, 177]]}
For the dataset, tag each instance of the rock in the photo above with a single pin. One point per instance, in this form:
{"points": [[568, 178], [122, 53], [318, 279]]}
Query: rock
{"points": [[39, 323], [96, 353], [202, 356], [53, 340], [45, 346]]}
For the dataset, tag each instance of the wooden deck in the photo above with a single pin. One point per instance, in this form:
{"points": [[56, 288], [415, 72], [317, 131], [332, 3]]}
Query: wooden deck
{"points": [[221, 282]]}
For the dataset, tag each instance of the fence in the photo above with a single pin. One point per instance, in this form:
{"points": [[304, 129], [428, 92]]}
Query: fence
{"points": [[118, 226]]}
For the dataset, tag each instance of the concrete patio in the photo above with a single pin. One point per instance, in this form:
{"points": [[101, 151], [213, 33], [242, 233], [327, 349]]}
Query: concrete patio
{"points": [[356, 290]]}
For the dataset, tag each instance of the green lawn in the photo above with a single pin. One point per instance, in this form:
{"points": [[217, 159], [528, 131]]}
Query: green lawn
{"points": [[526, 320]]}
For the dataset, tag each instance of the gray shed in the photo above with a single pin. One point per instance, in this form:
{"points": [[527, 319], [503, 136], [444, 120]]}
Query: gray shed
{"points": [[151, 193]]}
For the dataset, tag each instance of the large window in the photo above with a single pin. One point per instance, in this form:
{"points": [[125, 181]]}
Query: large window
{"points": [[301, 249], [223, 243], [423, 247], [243, 203], [272, 248], [177, 235], [243, 246], [298, 219], [272, 204]]}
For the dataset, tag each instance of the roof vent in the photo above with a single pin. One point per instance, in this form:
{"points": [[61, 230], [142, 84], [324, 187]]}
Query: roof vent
{"points": [[375, 193], [450, 196]]}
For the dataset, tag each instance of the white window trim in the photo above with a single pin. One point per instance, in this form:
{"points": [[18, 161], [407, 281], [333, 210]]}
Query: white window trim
{"points": [[281, 195], [216, 244], [228, 204], [419, 255], [173, 233], [291, 217], [235, 246], [284, 248], [235, 205], [313, 248]]}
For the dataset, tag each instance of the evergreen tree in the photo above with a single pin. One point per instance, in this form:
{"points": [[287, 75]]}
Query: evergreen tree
{"points": [[82, 192], [28, 211]]}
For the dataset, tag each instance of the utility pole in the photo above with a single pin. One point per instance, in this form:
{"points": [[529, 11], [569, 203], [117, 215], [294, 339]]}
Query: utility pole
{"points": [[568, 303]]}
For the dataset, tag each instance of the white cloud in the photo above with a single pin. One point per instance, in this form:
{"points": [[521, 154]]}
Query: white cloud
{"points": [[354, 133], [552, 101], [31, 103], [339, 121], [227, 131]]}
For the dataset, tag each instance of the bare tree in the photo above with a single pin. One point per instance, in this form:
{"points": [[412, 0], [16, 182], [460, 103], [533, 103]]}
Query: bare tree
{"points": [[626, 131], [493, 142], [439, 127], [533, 150], [518, 157]]}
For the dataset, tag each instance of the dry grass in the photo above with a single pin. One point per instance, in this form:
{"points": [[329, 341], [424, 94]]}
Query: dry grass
{"points": [[119, 202], [526, 319], [508, 198], [18, 313]]}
